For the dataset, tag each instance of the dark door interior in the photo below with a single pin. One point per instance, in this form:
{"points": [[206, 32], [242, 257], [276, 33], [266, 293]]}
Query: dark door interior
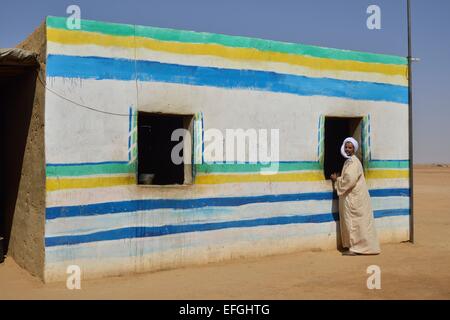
{"points": [[17, 91], [336, 130]]}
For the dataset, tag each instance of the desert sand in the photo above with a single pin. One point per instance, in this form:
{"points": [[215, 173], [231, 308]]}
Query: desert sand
{"points": [[408, 271]]}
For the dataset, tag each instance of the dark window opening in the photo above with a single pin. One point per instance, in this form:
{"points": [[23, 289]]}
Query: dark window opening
{"points": [[336, 130], [155, 165]]}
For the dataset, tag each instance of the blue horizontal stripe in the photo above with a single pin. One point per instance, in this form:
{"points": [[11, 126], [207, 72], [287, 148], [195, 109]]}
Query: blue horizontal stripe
{"points": [[145, 232], [152, 204], [398, 192], [100, 68]]}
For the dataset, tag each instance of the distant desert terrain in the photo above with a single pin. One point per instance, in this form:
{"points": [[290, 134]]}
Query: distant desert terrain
{"points": [[408, 271]]}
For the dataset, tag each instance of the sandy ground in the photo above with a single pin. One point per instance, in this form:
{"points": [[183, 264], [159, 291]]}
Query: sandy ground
{"points": [[408, 271]]}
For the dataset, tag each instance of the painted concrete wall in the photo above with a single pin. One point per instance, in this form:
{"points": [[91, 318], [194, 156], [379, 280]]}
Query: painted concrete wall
{"points": [[97, 217], [24, 143]]}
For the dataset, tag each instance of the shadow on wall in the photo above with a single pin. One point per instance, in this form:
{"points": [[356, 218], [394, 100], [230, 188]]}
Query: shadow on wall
{"points": [[17, 87]]}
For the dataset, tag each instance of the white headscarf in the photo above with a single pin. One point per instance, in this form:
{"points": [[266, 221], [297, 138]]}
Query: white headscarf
{"points": [[355, 145]]}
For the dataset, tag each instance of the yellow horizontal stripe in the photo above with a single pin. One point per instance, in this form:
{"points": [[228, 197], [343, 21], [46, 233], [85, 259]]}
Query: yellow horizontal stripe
{"points": [[83, 38], [279, 177], [85, 183], [290, 177], [387, 174], [54, 184]]}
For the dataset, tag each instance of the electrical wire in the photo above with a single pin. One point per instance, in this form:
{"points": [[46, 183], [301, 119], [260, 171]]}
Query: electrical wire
{"points": [[88, 107], [79, 104]]}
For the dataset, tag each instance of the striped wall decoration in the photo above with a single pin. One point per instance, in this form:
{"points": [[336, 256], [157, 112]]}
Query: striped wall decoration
{"points": [[99, 218], [77, 176], [198, 138], [99, 68], [132, 136], [321, 140], [187, 42], [365, 136]]}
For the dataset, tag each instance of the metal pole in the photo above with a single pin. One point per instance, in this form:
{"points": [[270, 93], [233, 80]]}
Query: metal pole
{"points": [[410, 126]]}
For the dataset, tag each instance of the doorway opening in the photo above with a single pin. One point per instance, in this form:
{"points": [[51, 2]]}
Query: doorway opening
{"points": [[336, 130], [17, 87], [155, 146]]}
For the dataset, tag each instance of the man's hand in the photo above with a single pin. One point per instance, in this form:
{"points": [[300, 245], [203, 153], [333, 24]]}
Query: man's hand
{"points": [[333, 176]]}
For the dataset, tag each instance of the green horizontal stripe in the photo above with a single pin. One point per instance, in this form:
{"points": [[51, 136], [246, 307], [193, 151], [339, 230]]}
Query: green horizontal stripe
{"points": [[164, 34], [89, 169], [289, 166], [389, 164], [123, 168]]}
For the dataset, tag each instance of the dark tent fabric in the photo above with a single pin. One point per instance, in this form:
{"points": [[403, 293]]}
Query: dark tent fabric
{"points": [[14, 61], [18, 57]]}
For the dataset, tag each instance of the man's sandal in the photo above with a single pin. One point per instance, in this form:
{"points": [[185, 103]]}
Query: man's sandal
{"points": [[349, 253]]}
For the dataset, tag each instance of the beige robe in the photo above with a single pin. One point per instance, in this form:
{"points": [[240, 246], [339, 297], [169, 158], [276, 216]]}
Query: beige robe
{"points": [[355, 210]]}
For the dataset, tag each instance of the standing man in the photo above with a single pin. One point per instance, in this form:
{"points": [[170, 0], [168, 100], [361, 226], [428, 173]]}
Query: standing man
{"points": [[357, 223]]}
